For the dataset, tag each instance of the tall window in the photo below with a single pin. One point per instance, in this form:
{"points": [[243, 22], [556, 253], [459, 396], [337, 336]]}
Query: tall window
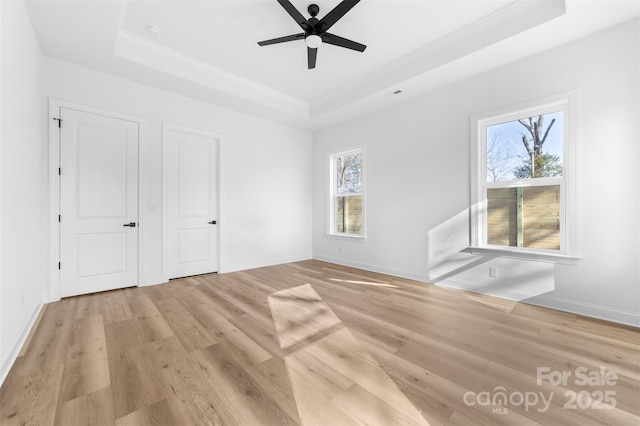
{"points": [[524, 196], [347, 193]]}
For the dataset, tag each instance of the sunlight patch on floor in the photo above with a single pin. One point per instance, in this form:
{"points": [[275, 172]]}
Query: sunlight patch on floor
{"points": [[334, 379], [299, 313]]}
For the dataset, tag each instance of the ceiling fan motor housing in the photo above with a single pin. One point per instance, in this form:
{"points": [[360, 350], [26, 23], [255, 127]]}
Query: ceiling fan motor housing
{"points": [[313, 10]]}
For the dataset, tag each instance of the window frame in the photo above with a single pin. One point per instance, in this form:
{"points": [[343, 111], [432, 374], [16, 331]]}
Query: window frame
{"points": [[333, 193], [569, 219]]}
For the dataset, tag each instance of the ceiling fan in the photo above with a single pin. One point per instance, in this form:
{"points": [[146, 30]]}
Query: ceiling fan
{"points": [[315, 30]]}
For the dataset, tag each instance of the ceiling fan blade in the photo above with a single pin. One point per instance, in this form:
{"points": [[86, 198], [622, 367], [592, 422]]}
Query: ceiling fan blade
{"points": [[295, 14], [311, 57], [342, 42], [336, 13], [292, 37]]}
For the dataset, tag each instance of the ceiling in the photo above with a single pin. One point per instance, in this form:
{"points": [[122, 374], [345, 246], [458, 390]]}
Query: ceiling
{"points": [[208, 49]]}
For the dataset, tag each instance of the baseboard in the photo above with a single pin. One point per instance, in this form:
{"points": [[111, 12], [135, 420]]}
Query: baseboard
{"points": [[373, 268], [589, 310], [552, 302], [15, 350], [224, 269]]}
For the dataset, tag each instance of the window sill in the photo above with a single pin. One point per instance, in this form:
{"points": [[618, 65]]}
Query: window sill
{"points": [[347, 236], [524, 254]]}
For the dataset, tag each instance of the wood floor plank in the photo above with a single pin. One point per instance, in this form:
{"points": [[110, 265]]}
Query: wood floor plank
{"points": [[348, 357], [437, 388], [435, 412], [115, 307], [93, 408], [314, 409], [88, 305], [236, 388], [206, 350], [86, 368], [185, 385], [244, 348], [129, 364], [272, 376], [190, 332], [213, 298], [159, 413], [369, 409], [325, 380], [251, 301], [150, 322], [263, 333], [373, 329], [48, 348], [558, 393], [33, 399], [299, 313]]}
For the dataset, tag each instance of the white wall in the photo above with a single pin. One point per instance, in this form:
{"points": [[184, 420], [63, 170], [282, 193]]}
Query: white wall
{"points": [[417, 174], [23, 187], [265, 186]]}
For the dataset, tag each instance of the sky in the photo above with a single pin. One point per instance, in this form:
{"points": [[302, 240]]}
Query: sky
{"points": [[510, 138]]}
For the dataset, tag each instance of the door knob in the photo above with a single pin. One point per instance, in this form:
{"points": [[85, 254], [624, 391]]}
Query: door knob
{"points": [[213, 222], [130, 224]]}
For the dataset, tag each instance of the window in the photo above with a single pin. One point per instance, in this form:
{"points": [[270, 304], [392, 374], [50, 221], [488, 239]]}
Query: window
{"points": [[524, 187], [347, 194]]}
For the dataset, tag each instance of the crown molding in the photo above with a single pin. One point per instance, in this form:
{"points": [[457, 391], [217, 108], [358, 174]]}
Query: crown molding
{"points": [[500, 25], [135, 49]]}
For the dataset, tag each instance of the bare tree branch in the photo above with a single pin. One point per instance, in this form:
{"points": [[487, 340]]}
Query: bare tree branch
{"points": [[525, 142], [544, 138]]}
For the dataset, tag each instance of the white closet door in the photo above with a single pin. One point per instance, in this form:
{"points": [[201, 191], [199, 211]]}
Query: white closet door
{"points": [[191, 167], [98, 203]]}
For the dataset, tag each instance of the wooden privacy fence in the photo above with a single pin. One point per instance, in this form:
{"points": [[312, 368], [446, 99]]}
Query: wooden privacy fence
{"points": [[524, 217], [349, 214]]}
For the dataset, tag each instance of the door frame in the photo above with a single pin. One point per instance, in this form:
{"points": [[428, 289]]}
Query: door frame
{"points": [[54, 188], [166, 127]]}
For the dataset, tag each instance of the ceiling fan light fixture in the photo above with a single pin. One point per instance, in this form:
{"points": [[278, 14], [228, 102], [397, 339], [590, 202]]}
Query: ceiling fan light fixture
{"points": [[313, 41]]}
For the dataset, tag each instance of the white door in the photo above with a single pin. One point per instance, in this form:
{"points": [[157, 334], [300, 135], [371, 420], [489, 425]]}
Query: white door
{"points": [[191, 167], [98, 203]]}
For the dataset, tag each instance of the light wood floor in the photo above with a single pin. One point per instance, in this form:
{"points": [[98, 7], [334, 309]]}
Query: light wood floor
{"points": [[316, 343]]}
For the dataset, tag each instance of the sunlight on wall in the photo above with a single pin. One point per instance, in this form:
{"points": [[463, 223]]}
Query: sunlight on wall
{"points": [[450, 265]]}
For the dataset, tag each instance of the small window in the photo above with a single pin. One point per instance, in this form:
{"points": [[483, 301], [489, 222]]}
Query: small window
{"points": [[347, 193], [524, 196]]}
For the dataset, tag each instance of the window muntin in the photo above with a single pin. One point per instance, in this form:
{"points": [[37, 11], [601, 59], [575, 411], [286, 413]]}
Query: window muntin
{"points": [[347, 193], [514, 211]]}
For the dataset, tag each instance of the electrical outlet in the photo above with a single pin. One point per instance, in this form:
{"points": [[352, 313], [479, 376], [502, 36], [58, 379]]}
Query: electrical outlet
{"points": [[493, 272]]}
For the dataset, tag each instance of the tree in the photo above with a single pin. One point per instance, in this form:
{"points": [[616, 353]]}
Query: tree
{"points": [[499, 158], [545, 165], [533, 142], [349, 172]]}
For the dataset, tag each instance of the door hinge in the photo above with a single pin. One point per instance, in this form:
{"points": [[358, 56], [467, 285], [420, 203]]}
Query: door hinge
{"points": [[59, 218], [59, 171], [59, 264], [59, 121]]}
